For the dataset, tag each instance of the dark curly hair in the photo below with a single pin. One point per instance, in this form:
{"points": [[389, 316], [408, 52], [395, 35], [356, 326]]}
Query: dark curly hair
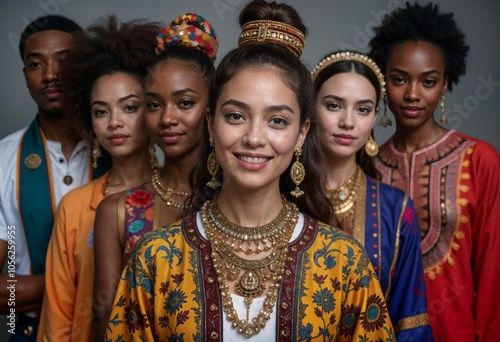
{"points": [[422, 23], [106, 47], [297, 77]]}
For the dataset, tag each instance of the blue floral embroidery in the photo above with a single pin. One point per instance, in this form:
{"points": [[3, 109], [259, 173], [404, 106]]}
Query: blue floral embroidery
{"points": [[136, 226]]}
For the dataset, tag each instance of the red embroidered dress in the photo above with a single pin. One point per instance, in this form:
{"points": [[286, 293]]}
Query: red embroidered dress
{"points": [[455, 187]]}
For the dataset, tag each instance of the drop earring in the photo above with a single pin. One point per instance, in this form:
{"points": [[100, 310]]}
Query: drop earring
{"points": [[213, 166], [444, 118], [298, 173], [371, 147], [96, 152]]}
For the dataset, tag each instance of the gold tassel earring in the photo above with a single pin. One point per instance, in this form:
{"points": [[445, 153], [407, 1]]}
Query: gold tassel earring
{"points": [[213, 166], [371, 147], [96, 152], [444, 118], [298, 173], [384, 120]]}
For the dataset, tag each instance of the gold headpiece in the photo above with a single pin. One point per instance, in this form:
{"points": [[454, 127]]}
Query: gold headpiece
{"points": [[350, 56], [273, 31]]}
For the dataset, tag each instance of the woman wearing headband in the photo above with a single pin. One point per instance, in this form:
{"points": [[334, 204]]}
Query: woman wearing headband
{"points": [[251, 261], [105, 79], [453, 179], [176, 95], [348, 87]]}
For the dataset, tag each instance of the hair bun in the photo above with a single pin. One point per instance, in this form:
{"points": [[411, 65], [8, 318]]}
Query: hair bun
{"points": [[190, 29]]}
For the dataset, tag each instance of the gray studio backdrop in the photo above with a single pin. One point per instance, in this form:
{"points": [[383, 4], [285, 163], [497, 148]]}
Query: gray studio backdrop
{"points": [[473, 107]]}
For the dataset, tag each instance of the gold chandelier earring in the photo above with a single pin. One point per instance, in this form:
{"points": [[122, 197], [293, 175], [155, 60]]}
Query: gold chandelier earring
{"points": [[153, 161], [213, 166], [96, 152], [384, 120], [444, 118], [371, 147], [298, 173]]}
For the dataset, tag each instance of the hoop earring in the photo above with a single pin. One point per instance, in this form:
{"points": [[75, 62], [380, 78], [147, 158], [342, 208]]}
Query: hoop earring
{"points": [[298, 173], [384, 120], [153, 161], [213, 166], [444, 118], [96, 152], [371, 147]]}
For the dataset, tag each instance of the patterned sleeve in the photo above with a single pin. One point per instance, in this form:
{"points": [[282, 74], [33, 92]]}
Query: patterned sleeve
{"points": [[365, 301], [408, 301], [132, 311]]}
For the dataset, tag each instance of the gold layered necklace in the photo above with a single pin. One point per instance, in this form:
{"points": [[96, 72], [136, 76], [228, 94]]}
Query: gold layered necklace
{"points": [[249, 276], [344, 198], [166, 192]]}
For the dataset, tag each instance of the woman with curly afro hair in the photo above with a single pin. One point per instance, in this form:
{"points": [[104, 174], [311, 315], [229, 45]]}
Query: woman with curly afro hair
{"points": [[105, 80], [454, 179]]}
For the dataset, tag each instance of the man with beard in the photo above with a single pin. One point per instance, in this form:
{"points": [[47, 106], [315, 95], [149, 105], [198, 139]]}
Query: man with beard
{"points": [[38, 166]]}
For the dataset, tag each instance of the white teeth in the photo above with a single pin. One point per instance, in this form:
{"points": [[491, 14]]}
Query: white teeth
{"points": [[253, 160]]}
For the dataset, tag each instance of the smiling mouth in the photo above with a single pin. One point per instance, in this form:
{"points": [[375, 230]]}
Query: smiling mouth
{"points": [[252, 160]]}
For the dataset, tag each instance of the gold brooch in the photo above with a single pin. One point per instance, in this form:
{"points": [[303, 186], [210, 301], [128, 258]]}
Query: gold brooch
{"points": [[33, 161]]}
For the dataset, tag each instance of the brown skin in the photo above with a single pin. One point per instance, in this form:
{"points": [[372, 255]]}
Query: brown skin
{"points": [[415, 82], [44, 52]]}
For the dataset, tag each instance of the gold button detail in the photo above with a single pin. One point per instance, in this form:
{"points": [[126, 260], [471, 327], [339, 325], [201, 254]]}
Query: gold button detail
{"points": [[214, 335], [68, 180]]}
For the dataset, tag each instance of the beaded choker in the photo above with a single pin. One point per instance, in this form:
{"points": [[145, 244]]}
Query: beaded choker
{"points": [[249, 276], [273, 31], [166, 192]]}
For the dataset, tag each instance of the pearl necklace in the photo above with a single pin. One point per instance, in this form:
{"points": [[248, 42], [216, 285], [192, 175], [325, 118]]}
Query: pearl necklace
{"points": [[249, 276]]}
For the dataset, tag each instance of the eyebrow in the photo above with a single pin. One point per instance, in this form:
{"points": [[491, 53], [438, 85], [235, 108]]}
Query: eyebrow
{"points": [[120, 100], [175, 93], [39, 54], [243, 105], [341, 99], [426, 73]]}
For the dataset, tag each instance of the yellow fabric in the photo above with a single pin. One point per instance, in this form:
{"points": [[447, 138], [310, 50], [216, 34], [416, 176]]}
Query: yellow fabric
{"points": [[67, 305], [169, 289]]}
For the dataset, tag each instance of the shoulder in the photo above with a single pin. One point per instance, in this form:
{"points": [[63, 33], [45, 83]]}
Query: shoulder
{"points": [[481, 152], [82, 193], [9, 147], [334, 234], [392, 193]]}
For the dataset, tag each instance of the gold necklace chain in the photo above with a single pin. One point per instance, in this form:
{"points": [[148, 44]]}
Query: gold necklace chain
{"points": [[249, 276], [344, 209], [250, 239], [166, 192]]}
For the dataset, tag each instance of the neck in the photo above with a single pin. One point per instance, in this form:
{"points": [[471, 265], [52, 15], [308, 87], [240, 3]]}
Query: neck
{"points": [[249, 209], [175, 173], [60, 130], [409, 140], [130, 172], [339, 170]]}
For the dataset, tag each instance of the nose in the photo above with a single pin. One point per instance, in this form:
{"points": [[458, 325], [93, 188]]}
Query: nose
{"points": [[52, 71], [115, 120], [412, 93], [169, 116], [255, 135], [346, 119]]}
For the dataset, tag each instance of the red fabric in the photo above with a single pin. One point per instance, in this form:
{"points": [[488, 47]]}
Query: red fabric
{"points": [[461, 248]]}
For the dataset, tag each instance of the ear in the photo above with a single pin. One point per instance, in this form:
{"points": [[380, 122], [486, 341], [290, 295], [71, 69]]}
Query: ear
{"points": [[210, 121], [25, 72], [375, 116], [303, 132], [445, 86]]}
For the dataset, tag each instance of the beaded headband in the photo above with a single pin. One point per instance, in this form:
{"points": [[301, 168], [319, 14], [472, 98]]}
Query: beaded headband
{"points": [[273, 31], [350, 56], [191, 29]]}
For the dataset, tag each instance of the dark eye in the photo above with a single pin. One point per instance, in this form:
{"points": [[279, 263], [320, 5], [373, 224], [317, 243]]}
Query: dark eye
{"points": [[131, 108], [186, 104], [99, 112], [430, 83], [364, 110], [332, 106], [153, 105], [234, 117], [278, 121], [398, 80]]}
